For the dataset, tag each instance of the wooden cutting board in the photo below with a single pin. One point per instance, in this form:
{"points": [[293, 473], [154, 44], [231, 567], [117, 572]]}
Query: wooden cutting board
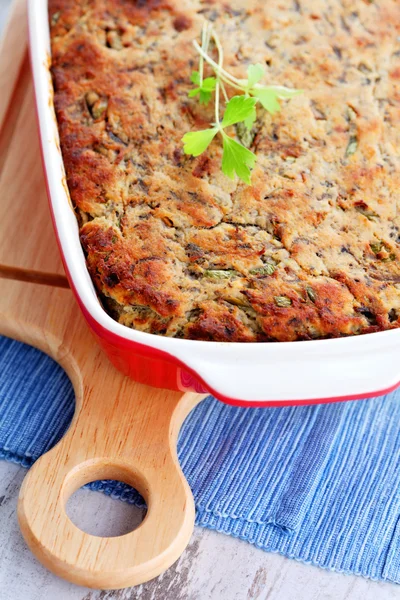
{"points": [[121, 429]]}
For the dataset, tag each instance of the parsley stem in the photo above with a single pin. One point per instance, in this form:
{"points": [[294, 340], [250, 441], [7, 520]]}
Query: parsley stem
{"points": [[220, 62], [224, 75], [205, 42], [201, 62], [219, 49], [224, 91], [218, 85], [217, 105]]}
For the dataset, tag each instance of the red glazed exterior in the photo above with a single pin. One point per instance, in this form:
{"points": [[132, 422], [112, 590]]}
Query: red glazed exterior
{"points": [[142, 363]]}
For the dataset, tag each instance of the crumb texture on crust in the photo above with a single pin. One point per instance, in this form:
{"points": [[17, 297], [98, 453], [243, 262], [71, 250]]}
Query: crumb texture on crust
{"points": [[311, 249]]}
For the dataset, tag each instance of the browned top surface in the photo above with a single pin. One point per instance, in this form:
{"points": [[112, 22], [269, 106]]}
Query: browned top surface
{"points": [[157, 224]]}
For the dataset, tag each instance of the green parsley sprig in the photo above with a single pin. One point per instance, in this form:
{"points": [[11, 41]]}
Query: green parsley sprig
{"points": [[236, 159]]}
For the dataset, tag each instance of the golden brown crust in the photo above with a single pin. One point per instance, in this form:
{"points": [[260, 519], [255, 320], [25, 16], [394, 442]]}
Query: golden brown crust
{"points": [[311, 249]]}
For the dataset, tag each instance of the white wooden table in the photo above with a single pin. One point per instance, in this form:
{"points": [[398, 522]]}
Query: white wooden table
{"points": [[214, 566]]}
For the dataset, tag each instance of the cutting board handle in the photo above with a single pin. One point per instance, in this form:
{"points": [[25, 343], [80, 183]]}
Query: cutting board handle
{"points": [[124, 431], [121, 430]]}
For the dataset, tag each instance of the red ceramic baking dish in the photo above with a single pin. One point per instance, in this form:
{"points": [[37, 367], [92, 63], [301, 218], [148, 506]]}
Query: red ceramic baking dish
{"points": [[243, 374]]}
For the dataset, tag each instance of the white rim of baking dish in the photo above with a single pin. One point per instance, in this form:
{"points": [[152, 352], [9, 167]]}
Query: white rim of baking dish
{"points": [[250, 372]]}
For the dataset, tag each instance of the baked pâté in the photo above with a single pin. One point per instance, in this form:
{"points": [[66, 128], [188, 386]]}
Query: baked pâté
{"points": [[174, 247]]}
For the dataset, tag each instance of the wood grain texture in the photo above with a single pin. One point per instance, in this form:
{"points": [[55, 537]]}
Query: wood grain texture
{"points": [[22, 185], [121, 430], [12, 52], [27, 239]]}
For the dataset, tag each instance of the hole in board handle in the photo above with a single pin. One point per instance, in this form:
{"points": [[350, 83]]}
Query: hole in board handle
{"points": [[102, 514]]}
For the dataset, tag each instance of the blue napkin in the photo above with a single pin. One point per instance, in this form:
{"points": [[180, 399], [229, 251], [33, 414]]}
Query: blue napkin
{"points": [[319, 484]]}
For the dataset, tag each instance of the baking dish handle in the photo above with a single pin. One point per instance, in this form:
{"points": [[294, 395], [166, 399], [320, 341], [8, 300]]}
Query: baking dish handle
{"points": [[300, 372]]}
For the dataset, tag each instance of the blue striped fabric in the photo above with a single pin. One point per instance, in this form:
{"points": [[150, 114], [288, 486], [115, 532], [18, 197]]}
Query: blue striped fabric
{"points": [[320, 484]]}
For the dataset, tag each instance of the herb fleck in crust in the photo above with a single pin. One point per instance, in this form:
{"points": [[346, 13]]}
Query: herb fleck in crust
{"points": [[311, 248]]}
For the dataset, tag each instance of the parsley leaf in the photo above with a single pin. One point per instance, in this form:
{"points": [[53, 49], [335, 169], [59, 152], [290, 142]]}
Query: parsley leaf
{"points": [[239, 108], [237, 159], [268, 99], [204, 91], [268, 96], [254, 74], [196, 142], [195, 77]]}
